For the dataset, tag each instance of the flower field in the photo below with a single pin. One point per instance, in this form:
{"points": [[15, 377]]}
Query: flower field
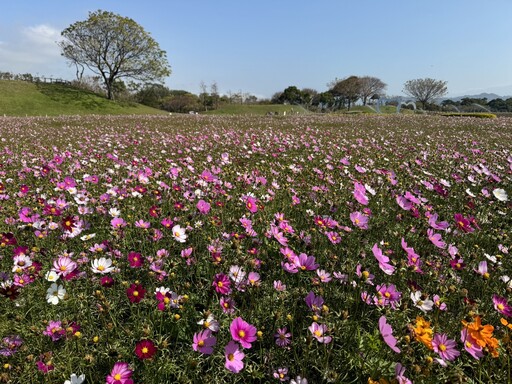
{"points": [[306, 249]]}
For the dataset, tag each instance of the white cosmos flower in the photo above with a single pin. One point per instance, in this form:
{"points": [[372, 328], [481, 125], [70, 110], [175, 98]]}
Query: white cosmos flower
{"points": [[51, 276], [114, 212], [88, 236], [55, 293], [424, 305], [74, 379], [468, 191], [500, 194], [179, 234], [102, 265]]}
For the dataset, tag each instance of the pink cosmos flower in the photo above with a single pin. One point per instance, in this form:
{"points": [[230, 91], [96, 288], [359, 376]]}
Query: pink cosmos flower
{"points": [[446, 348], [64, 265], [142, 224], [203, 207], [251, 204], [359, 220], [399, 373], [387, 334], [118, 223], [227, 304], [404, 203], [204, 342], [470, 344], [234, 357], [243, 332], [432, 221], [360, 193], [304, 262], [501, 305], [120, 374], [383, 260], [334, 237], [318, 331], [55, 330], [436, 239]]}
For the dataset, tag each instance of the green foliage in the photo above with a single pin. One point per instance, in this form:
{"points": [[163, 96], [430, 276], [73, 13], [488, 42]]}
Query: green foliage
{"points": [[114, 47]]}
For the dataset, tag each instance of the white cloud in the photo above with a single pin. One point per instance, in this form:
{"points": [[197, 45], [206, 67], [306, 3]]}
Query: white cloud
{"points": [[33, 49]]}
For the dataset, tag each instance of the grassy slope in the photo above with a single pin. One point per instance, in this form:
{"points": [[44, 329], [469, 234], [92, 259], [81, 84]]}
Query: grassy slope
{"points": [[20, 98], [257, 109]]}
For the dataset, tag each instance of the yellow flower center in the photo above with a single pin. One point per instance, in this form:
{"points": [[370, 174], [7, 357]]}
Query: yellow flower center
{"points": [[200, 343], [220, 284], [231, 357], [442, 347], [501, 307], [241, 333], [101, 268], [318, 333], [62, 268], [145, 350], [365, 274], [135, 293], [117, 376]]}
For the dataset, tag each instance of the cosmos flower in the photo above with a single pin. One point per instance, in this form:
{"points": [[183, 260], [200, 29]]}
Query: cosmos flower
{"points": [[387, 334], [446, 348], [102, 266], [135, 293], [145, 349], [234, 357], [243, 332], [502, 306], [500, 194], [318, 331], [120, 374], [55, 293], [179, 234], [204, 342]]}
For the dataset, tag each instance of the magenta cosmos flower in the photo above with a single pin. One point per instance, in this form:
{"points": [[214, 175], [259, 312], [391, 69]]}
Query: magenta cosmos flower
{"points": [[502, 306], [204, 342], [120, 374], [234, 357], [222, 284], [243, 332], [447, 348]]}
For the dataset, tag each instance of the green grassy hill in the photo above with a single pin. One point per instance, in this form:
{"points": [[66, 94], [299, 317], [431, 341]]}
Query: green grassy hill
{"points": [[257, 109], [21, 98]]}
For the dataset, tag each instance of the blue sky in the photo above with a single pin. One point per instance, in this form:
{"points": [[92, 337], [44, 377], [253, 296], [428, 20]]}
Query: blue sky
{"points": [[263, 46]]}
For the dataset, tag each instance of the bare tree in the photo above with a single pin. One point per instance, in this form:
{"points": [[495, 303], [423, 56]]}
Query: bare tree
{"points": [[369, 86], [214, 92], [425, 90]]}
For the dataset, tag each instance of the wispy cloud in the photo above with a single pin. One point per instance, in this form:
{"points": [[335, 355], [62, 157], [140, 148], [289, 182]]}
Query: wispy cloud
{"points": [[32, 49]]}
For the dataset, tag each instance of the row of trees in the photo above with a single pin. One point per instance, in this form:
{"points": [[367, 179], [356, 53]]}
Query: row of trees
{"points": [[344, 93]]}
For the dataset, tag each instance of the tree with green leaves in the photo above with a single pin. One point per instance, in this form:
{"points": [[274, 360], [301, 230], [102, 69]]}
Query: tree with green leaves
{"points": [[346, 91], [114, 47], [425, 90]]}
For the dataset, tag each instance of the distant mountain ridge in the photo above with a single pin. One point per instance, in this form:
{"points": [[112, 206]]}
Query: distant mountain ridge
{"points": [[488, 96]]}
